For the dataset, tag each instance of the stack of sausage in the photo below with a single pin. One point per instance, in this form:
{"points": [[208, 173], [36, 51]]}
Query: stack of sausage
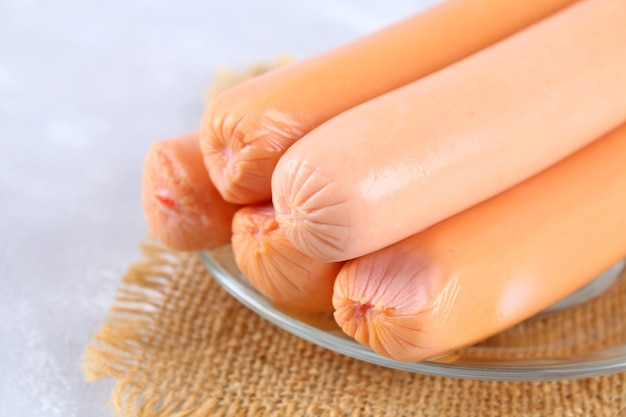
{"points": [[432, 183]]}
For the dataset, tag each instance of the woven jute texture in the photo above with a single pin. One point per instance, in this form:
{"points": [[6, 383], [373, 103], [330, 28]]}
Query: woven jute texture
{"points": [[178, 345]]}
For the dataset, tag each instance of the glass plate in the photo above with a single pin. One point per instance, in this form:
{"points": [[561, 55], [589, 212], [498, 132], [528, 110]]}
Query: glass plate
{"points": [[583, 335]]}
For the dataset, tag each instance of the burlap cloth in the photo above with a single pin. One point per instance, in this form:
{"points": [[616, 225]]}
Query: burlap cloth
{"points": [[178, 345]]}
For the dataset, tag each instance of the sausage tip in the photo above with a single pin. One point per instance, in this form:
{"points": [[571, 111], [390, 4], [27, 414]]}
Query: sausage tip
{"points": [[315, 213], [269, 261], [383, 305], [182, 207]]}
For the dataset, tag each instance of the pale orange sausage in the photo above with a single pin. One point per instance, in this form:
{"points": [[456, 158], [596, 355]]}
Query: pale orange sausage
{"points": [[493, 265], [246, 129], [275, 268], [183, 209], [401, 162]]}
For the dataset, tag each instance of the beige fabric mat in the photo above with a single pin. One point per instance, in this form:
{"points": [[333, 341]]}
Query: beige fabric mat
{"points": [[178, 345]]}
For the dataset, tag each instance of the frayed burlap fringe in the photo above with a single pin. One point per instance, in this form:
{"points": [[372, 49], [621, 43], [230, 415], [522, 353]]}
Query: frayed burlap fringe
{"points": [[120, 347]]}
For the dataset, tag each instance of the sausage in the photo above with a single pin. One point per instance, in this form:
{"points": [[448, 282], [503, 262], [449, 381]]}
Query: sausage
{"points": [[493, 265], [275, 268], [401, 162], [245, 130], [182, 207]]}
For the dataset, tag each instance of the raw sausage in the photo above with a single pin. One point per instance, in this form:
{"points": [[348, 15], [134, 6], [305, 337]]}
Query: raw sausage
{"points": [[275, 268], [246, 129], [493, 265], [401, 162], [183, 209]]}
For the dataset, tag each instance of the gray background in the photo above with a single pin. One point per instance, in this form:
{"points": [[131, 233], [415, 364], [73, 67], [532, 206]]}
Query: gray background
{"points": [[85, 87]]}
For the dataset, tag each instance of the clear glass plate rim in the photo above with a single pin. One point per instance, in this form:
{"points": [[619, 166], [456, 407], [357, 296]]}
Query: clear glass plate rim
{"points": [[534, 372]]}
